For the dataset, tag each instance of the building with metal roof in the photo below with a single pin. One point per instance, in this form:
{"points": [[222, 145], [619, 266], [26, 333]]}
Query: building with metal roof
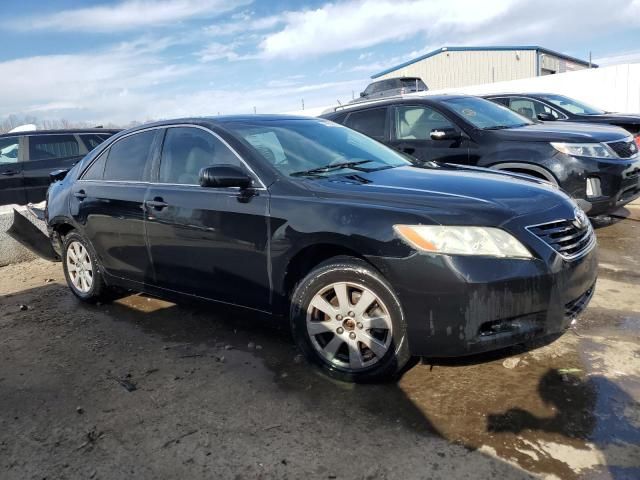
{"points": [[451, 67]]}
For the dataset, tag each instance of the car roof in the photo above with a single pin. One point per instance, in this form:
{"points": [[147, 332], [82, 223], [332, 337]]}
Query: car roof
{"points": [[420, 97], [60, 131], [519, 94]]}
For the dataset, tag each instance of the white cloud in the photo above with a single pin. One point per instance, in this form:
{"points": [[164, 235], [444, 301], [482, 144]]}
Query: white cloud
{"points": [[243, 23], [217, 51], [126, 15], [625, 57], [358, 24]]}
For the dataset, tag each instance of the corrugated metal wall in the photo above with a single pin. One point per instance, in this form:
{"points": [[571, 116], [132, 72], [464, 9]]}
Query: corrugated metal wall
{"points": [[451, 69]]}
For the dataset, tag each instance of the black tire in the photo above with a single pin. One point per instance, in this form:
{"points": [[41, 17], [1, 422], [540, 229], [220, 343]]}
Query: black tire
{"points": [[99, 291], [351, 271]]}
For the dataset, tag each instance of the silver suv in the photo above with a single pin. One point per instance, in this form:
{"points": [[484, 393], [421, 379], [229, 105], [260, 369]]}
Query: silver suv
{"points": [[391, 87]]}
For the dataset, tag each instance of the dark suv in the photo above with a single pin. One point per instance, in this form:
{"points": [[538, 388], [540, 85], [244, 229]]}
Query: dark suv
{"points": [[598, 165], [391, 87], [369, 257], [27, 159], [551, 106]]}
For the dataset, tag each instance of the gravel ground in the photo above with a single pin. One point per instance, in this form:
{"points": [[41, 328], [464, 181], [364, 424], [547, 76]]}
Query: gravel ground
{"points": [[148, 389]]}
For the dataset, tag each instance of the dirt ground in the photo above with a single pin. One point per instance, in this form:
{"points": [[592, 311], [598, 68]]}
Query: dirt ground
{"points": [[143, 388]]}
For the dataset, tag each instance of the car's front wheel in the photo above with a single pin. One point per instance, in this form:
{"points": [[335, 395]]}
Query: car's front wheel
{"points": [[347, 319], [81, 269]]}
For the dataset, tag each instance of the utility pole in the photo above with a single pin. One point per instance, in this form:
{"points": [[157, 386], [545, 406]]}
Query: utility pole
{"points": [[590, 64], [303, 103], [254, 110]]}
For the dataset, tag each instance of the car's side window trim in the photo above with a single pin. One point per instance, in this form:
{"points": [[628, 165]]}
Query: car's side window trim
{"points": [[154, 172]]}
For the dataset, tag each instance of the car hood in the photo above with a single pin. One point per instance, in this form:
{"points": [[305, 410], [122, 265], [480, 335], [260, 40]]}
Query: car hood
{"points": [[627, 118], [563, 132], [450, 194]]}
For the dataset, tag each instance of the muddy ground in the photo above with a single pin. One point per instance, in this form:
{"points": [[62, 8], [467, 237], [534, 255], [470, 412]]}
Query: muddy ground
{"points": [[142, 389]]}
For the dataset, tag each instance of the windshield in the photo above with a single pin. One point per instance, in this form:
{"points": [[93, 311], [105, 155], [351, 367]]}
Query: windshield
{"points": [[572, 105], [315, 147], [484, 114]]}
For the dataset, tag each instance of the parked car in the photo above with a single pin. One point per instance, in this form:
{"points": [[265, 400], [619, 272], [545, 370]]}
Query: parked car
{"points": [[371, 258], [27, 159], [551, 107], [391, 87], [598, 165]]}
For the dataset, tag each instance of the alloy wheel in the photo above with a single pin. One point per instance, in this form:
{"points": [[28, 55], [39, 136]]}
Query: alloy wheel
{"points": [[80, 267], [349, 325]]}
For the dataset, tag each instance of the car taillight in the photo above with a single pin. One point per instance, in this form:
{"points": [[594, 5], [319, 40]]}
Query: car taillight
{"points": [[637, 139]]}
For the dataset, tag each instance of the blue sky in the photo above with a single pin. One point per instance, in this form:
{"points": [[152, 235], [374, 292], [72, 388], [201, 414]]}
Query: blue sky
{"points": [[118, 61]]}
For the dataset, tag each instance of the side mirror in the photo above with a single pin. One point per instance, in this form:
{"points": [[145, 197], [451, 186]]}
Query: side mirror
{"points": [[58, 175], [362, 94], [546, 117], [446, 133], [222, 176]]}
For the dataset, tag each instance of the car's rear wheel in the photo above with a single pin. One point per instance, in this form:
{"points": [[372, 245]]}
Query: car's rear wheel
{"points": [[347, 319], [81, 269]]}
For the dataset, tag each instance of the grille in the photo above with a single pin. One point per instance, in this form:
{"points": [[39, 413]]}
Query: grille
{"points": [[570, 238], [577, 306], [624, 149]]}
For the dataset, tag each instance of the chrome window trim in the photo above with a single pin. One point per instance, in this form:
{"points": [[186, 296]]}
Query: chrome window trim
{"points": [[177, 125]]}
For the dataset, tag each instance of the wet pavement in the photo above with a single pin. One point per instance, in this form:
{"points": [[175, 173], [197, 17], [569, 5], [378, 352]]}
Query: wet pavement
{"points": [[145, 388]]}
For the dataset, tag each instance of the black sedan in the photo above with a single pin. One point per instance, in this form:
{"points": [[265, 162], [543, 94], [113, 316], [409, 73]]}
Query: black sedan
{"points": [[551, 107], [371, 258], [598, 165]]}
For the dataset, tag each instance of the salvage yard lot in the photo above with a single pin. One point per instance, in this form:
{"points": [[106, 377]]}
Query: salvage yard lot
{"points": [[146, 388]]}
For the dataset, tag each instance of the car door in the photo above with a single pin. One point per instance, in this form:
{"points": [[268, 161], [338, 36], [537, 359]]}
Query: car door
{"points": [[108, 200], [208, 242], [412, 126], [11, 180], [47, 153]]}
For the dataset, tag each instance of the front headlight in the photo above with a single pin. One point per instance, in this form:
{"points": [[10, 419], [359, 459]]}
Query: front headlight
{"points": [[593, 150], [487, 241]]}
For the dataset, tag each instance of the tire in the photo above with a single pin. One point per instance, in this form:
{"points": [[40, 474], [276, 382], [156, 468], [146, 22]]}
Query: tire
{"points": [[81, 269], [359, 332]]}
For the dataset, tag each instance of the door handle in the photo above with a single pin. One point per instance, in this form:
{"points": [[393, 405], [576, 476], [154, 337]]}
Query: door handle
{"points": [[8, 173], [80, 195], [157, 203]]}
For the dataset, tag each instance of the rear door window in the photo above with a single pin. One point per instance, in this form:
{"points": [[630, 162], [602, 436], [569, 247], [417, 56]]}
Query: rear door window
{"points": [[45, 147], [127, 159], [372, 122], [9, 150]]}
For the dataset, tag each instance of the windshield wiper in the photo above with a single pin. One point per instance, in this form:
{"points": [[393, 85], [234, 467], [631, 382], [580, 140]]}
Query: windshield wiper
{"points": [[329, 168], [500, 127]]}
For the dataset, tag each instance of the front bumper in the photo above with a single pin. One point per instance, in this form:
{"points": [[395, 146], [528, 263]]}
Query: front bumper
{"points": [[618, 180], [457, 305]]}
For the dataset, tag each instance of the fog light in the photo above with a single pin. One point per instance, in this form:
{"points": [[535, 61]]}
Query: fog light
{"points": [[593, 187]]}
